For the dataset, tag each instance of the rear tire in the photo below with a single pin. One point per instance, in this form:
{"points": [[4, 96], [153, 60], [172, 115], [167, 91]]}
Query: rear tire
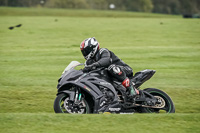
{"points": [[167, 103], [62, 103]]}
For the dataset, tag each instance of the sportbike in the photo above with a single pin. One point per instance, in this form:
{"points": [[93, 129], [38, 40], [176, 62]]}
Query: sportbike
{"points": [[97, 92]]}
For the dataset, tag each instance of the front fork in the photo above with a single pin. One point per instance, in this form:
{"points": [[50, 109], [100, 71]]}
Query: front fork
{"points": [[78, 96]]}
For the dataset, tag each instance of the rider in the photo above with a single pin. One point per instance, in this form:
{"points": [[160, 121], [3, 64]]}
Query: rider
{"points": [[102, 57]]}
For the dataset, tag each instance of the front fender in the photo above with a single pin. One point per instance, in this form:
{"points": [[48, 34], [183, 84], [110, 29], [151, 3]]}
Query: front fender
{"points": [[70, 93]]}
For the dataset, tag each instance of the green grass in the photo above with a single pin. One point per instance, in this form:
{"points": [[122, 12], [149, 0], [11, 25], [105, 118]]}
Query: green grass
{"points": [[34, 56], [52, 123]]}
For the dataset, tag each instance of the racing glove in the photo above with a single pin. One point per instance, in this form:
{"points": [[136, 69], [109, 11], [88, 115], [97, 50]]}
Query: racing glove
{"points": [[91, 67]]}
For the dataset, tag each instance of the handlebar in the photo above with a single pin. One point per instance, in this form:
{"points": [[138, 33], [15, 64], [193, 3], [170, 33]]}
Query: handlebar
{"points": [[96, 70]]}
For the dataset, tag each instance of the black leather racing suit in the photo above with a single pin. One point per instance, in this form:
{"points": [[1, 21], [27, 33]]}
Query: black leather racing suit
{"points": [[116, 67]]}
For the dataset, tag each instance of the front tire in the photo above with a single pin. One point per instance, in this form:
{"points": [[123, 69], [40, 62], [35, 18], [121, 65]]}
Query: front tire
{"points": [[62, 104], [166, 104]]}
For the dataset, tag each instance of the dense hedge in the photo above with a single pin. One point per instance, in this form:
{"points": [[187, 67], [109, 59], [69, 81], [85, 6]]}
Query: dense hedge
{"points": [[156, 6]]}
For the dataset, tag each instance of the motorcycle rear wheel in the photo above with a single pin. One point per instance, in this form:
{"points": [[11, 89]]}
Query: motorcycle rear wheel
{"points": [[167, 105], [62, 104]]}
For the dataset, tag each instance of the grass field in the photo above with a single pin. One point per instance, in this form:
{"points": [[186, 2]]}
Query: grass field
{"points": [[33, 57]]}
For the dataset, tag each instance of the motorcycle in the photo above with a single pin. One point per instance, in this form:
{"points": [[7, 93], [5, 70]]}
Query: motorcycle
{"points": [[97, 92]]}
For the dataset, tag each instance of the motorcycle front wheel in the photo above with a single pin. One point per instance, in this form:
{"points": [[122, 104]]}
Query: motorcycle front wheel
{"points": [[62, 104], [165, 105]]}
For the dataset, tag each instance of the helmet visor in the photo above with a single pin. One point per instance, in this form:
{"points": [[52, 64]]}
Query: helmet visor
{"points": [[86, 51]]}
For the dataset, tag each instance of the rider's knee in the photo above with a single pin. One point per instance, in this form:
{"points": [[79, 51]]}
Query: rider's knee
{"points": [[117, 72]]}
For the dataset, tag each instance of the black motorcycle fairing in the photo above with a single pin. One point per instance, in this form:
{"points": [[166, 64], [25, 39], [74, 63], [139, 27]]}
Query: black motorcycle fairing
{"points": [[103, 74], [88, 83], [69, 75]]}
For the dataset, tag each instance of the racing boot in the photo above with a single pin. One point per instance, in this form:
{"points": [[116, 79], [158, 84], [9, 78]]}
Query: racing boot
{"points": [[131, 91]]}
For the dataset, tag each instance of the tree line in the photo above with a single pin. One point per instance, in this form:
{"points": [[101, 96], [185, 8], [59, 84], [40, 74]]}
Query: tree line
{"points": [[155, 6]]}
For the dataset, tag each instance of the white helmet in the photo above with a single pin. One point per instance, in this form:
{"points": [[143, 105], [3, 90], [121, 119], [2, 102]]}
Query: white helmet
{"points": [[89, 47]]}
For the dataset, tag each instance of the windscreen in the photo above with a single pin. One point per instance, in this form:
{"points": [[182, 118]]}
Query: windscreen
{"points": [[71, 65]]}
